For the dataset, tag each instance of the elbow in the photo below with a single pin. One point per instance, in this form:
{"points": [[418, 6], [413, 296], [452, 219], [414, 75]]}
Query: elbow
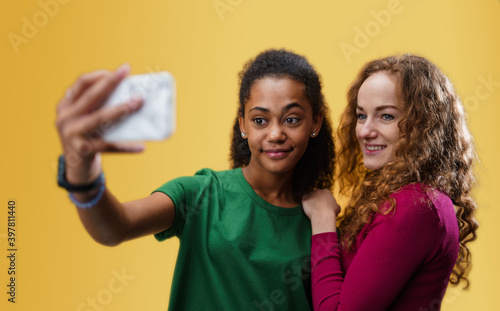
{"points": [[104, 231], [109, 239], [108, 242]]}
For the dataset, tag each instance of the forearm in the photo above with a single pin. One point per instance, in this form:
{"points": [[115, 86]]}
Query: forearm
{"points": [[106, 222], [327, 276]]}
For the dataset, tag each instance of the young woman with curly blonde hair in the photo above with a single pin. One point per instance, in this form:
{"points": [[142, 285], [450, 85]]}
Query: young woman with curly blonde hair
{"points": [[406, 160]]}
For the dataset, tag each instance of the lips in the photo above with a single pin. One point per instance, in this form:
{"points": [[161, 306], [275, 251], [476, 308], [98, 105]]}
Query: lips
{"points": [[374, 149], [277, 153]]}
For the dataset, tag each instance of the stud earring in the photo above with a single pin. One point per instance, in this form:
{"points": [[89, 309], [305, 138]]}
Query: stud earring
{"points": [[313, 134], [243, 135]]}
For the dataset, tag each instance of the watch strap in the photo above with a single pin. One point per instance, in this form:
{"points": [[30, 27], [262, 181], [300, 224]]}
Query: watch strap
{"points": [[63, 182]]}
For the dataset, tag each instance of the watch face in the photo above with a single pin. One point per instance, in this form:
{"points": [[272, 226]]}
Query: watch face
{"points": [[61, 181]]}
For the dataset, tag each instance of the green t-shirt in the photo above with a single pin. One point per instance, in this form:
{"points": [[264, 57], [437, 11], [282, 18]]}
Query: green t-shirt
{"points": [[237, 251]]}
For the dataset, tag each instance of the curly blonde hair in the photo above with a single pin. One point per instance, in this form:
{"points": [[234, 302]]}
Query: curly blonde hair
{"points": [[434, 148]]}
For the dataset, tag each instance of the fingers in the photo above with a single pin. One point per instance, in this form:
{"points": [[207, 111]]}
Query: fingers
{"points": [[95, 95], [95, 146], [84, 82], [318, 194], [81, 85], [321, 198], [89, 92], [103, 118], [109, 147], [85, 134]]}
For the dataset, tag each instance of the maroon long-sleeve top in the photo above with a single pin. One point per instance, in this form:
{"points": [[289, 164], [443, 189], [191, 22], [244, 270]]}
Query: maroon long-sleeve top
{"points": [[399, 261]]}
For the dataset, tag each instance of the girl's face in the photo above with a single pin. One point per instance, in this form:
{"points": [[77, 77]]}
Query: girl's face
{"points": [[278, 123], [378, 114]]}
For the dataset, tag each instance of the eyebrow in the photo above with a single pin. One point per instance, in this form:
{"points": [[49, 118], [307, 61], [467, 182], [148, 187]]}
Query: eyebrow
{"points": [[286, 108], [379, 107]]}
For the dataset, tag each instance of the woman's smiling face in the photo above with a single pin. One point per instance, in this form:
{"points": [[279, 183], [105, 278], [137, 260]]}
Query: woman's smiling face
{"points": [[278, 123], [378, 114]]}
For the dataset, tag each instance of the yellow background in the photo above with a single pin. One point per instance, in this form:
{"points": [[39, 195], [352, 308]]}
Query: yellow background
{"points": [[60, 267]]}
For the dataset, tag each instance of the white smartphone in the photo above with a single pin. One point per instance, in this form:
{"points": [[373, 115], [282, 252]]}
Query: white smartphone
{"points": [[156, 118]]}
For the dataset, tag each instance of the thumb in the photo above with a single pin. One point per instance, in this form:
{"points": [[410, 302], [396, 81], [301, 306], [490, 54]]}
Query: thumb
{"points": [[121, 147]]}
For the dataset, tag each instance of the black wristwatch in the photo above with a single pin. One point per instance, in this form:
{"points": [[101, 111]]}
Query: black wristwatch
{"points": [[63, 183]]}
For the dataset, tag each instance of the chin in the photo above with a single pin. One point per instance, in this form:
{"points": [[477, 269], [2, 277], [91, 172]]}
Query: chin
{"points": [[373, 166], [279, 170]]}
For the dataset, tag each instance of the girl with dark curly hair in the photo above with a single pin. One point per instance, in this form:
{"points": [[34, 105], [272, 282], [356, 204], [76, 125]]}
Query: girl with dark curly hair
{"points": [[244, 239], [406, 160]]}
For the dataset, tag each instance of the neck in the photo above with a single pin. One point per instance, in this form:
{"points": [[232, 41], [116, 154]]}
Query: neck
{"points": [[274, 188]]}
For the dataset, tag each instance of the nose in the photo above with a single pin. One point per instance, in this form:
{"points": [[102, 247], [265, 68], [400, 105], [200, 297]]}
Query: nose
{"points": [[276, 133], [367, 130]]}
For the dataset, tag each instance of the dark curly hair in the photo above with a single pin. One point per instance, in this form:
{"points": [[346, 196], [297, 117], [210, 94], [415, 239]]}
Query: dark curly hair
{"points": [[315, 169], [434, 148]]}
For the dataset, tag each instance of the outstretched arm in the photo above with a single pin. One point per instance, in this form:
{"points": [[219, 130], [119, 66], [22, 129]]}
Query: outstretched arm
{"points": [[80, 120]]}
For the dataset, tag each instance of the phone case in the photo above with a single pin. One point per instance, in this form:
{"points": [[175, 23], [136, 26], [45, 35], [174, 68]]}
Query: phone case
{"points": [[156, 118]]}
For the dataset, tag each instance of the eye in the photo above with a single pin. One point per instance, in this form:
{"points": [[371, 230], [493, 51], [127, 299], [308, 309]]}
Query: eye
{"points": [[387, 117], [259, 121], [360, 117], [291, 120]]}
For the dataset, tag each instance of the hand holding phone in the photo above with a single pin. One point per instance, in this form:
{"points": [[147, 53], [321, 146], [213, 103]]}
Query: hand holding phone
{"points": [[86, 128], [155, 120]]}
